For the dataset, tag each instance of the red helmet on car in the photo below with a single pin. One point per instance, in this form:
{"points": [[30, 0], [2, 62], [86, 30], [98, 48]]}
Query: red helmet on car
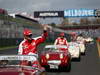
{"points": [[62, 34], [27, 32]]}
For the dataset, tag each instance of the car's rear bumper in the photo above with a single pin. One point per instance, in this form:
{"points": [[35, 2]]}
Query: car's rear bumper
{"points": [[55, 64], [75, 55], [82, 48]]}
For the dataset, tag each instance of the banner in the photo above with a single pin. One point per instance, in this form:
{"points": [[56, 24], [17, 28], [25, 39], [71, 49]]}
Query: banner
{"points": [[79, 13], [43, 14], [97, 13]]}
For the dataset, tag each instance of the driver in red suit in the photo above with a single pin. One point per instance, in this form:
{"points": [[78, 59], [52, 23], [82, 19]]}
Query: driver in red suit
{"points": [[29, 45], [61, 40]]}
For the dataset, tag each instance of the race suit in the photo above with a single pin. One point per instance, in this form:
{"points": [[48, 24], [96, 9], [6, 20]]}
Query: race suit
{"points": [[26, 47], [61, 41]]}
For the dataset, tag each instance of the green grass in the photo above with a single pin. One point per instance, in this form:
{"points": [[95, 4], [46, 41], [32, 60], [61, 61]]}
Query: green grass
{"points": [[46, 43], [7, 47]]}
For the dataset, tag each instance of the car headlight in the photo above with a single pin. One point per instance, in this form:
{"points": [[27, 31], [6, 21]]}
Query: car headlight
{"points": [[61, 56], [47, 56]]}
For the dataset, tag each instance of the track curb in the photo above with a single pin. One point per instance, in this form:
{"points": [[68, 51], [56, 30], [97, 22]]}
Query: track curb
{"points": [[98, 46]]}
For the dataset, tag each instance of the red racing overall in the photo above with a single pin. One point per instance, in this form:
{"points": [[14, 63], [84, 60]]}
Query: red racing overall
{"points": [[27, 47]]}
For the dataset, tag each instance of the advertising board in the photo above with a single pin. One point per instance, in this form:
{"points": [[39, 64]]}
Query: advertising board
{"points": [[42, 14], [79, 13]]}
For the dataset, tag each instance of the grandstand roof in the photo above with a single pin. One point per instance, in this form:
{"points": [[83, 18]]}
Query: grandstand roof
{"points": [[26, 17]]}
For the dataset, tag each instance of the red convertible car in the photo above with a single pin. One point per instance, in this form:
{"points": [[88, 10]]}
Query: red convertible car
{"points": [[18, 65], [56, 57]]}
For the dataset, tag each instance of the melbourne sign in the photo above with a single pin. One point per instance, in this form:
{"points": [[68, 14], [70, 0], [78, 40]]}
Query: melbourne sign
{"points": [[97, 13], [42, 14], [79, 13]]}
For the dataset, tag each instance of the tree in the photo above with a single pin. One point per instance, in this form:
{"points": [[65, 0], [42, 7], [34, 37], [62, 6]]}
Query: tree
{"points": [[53, 24], [65, 21], [74, 23], [84, 21], [98, 21]]}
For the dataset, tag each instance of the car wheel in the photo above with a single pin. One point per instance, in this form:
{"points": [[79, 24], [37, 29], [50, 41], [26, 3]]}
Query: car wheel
{"points": [[69, 67], [79, 59], [66, 68], [47, 68], [83, 53]]}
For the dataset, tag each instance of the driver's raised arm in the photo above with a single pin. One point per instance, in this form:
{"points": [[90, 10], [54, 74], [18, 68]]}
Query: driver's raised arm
{"points": [[42, 38]]}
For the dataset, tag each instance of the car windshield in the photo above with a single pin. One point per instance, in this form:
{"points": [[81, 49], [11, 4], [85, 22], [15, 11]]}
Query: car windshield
{"points": [[55, 47], [16, 60], [9, 62]]}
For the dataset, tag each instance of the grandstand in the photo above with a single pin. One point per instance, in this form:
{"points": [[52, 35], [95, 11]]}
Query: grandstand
{"points": [[12, 27]]}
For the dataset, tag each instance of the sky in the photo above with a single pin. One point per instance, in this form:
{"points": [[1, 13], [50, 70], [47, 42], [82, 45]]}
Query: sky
{"points": [[13, 6]]}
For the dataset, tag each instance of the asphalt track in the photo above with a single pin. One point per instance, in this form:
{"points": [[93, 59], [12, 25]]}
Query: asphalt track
{"points": [[89, 64]]}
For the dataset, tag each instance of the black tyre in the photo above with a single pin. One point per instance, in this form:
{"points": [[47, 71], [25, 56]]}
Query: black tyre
{"points": [[66, 68], [79, 59], [69, 67]]}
